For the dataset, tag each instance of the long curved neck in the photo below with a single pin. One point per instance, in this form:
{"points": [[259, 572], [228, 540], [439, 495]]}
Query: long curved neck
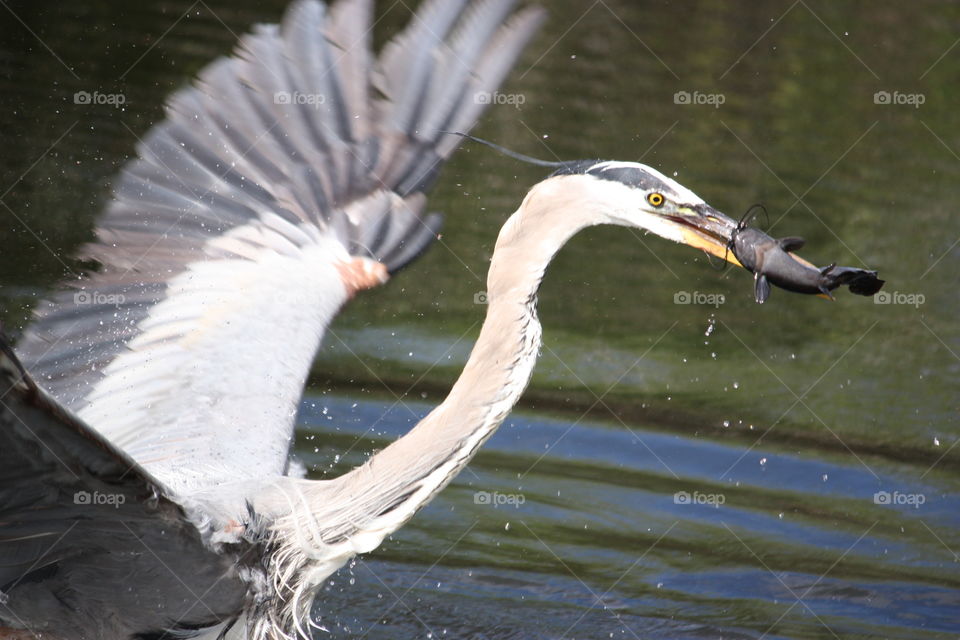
{"points": [[501, 362], [318, 525], [404, 476]]}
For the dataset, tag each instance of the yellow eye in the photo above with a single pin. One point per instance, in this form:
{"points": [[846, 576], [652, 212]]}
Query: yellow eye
{"points": [[656, 199]]}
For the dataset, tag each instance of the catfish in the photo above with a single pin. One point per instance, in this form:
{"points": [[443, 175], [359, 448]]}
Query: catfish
{"points": [[771, 262]]}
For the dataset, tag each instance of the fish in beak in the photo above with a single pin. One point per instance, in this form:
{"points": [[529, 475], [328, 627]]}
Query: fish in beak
{"points": [[703, 227]]}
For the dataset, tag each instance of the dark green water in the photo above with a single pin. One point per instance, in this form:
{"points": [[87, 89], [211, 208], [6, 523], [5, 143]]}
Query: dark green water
{"points": [[793, 414]]}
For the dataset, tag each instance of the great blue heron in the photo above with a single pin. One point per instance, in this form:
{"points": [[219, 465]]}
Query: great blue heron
{"points": [[145, 487]]}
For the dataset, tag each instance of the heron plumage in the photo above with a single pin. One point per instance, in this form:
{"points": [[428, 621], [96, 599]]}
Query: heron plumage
{"points": [[278, 165], [197, 390], [78, 516], [219, 254]]}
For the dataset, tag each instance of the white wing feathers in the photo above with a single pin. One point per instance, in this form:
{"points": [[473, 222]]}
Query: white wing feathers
{"points": [[221, 249]]}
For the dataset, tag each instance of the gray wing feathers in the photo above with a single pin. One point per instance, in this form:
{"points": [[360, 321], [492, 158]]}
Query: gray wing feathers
{"points": [[349, 32], [432, 81], [287, 132], [500, 54], [73, 342], [78, 517], [450, 87], [408, 61]]}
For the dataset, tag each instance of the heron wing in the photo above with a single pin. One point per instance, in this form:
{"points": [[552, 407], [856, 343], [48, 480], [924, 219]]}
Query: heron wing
{"points": [[219, 251], [78, 517]]}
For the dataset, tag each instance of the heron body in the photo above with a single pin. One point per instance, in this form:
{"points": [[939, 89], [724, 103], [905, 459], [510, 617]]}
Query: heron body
{"points": [[297, 531], [146, 488]]}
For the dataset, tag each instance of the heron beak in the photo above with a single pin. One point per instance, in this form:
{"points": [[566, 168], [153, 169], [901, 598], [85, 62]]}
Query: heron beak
{"points": [[705, 228]]}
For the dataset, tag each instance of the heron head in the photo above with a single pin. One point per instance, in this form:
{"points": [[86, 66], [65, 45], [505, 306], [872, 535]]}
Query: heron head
{"points": [[636, 195]]}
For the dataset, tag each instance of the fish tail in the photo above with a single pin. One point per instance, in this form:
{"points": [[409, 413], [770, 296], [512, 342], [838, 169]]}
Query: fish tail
{"points": [[861, 281]]}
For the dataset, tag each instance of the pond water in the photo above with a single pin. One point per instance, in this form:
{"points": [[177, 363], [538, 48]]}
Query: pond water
{"points": [[686, 463]]}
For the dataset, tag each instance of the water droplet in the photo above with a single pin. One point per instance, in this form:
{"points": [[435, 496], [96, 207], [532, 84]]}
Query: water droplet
{"points": [[726, 424], [763, 461]]}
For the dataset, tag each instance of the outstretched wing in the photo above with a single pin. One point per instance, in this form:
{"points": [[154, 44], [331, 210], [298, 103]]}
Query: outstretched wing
{"points": [[232, 238], [79, 519]]}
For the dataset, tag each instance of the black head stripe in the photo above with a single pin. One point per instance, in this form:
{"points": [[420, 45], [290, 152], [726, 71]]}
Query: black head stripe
{"points": [[632, 176]]}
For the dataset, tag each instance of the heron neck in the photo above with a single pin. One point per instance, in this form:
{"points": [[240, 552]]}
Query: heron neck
{"points": [[328, 521], [404, 476]]}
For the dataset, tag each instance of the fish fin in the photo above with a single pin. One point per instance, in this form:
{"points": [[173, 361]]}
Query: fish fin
{"points": [[761, 290], [793, 243], [825, 293], [827, 269]]}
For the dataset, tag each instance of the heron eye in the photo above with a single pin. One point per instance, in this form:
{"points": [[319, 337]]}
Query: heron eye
{"points": [[656, 199]]}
